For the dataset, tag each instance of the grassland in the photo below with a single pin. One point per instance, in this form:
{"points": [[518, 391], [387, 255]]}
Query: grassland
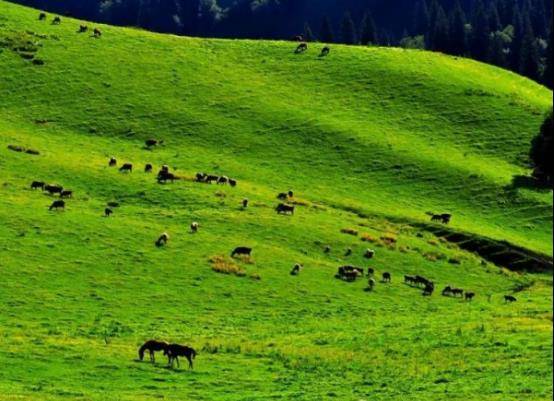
{"points": [[368, 138]]}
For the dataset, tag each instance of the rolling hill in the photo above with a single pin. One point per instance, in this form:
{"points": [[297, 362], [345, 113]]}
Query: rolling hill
{"points": [[369, 139]]}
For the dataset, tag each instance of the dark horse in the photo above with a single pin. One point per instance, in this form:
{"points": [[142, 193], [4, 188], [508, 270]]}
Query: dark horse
{"points": [[174, 351], [152, 346]]}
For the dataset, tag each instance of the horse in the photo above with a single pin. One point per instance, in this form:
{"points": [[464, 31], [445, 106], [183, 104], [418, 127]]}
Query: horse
{"points": [[152, 142], [174, 351], [152, 346], [232, 183]]}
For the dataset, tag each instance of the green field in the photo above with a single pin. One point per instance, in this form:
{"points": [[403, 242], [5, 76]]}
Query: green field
{"points": [[369, 139]]}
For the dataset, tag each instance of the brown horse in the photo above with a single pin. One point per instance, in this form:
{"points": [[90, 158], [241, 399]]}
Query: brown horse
{"points": [[174, 351], [152, 346]]}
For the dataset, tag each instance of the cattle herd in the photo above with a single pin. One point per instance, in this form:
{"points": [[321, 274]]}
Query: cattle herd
{"points": [[346, 273]]}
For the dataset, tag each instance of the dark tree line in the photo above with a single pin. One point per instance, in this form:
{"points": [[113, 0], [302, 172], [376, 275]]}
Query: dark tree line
{"points": [[514, 34]]}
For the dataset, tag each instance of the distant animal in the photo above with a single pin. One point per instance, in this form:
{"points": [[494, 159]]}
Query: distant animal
{"points": [[302, 47], [429, 289], [113, 162], [201, 177], [369, 254], [152, 142], [97, 33], [348, 252], [58, 204], [457, 292], [232, 182], [174, 351], [152, 346], [37, 185], [296, 270], [371, 284], [285, 209], [510, 299], [283, 196], [42, 17], [66, 194], [164, 169], [164, 177], [148, 168], [370, 272], [325, 51], [387, 278], [223, 180], [327, 249], [53, 189], [411, 280], [242, 251], [447, 291], [83, 28], [212, 178], [162, 240], [108, 212], [469, 296], [245, 203], [194, 227], [126, 168], [443, 218], [56, 21], [290, 194]]}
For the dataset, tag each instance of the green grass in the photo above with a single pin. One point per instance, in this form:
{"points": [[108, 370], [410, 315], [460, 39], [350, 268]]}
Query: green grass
{"points": [[368, 138]]}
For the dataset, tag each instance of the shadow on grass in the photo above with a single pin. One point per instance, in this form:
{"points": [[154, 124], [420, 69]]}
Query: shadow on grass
{"points": [[527, 182]]}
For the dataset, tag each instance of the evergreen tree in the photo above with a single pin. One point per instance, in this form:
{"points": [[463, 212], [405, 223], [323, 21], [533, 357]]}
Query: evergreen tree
{"points": [[497, 54], [494, 17], [547, 77], [529, 63], [348, 30], [439, 35], [326, 34], [480, 35], [368, 34], [515, 50], [308, 33], [458, 39], [421, 18]]}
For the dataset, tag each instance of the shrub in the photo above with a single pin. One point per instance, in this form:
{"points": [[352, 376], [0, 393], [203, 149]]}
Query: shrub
{"points": [[223, 265]]}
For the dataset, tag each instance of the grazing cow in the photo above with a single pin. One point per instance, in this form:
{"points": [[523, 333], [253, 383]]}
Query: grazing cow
{"points": [[164, 177], [242, 251], [285, 209], [83, 28], [58, 204], [370, 272], [469, 296], [113, 162], [42, 17], [296, 270], [37, 185], [302, 47], [126, 168], [152, 346], [201, 177], [325, 51], [245, 203], [108, 212], [410, 280], [174, 351], [152, 142], [212, 178], [66, 194], [290, 194], [447, 291], [419, 280], [283, 196], [97, 33], [53, 189], [162, 240], [232, 182], [56, 21], [387, 278], [148, 168], [369, 254], [223, 180], [510, 299], [429, 289], [194, 227], [348, 252], [371, 284], [444, 218]]}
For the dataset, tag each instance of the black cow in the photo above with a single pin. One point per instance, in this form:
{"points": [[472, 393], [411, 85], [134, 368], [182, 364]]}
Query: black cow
{"points": [[242, 251], [58, 204], [285, 209]]}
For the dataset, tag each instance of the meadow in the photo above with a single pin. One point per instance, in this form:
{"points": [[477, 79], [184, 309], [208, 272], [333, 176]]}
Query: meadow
{"points": [[369, 139]]}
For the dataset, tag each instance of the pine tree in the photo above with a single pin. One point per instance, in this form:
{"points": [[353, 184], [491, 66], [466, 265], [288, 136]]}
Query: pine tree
{"points": [[480, 35], [497, 54], [494, 17], [308, 33], [326, 34], [458, 37], [547, 77], [439, 36], [348, 30], [368, 34], [529, 54], [515, 50], [421, 18]]}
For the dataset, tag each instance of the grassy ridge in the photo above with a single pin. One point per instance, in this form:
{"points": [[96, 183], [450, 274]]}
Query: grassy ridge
{"points": [[379, 132]]}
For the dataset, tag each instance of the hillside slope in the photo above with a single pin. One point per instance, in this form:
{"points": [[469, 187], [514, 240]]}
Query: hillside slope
{"points": [[368, 139]]}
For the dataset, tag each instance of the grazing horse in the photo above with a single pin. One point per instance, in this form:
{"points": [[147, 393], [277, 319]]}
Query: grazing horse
{"points": [[410, 280], [212, 178], [242, 251], [457, 292], [370, 272], [510, 299], [152, 346], [174, 351], [285, 209], [59, 204], [325, 51], [387, 278], [302, 47], [37, 185]]}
